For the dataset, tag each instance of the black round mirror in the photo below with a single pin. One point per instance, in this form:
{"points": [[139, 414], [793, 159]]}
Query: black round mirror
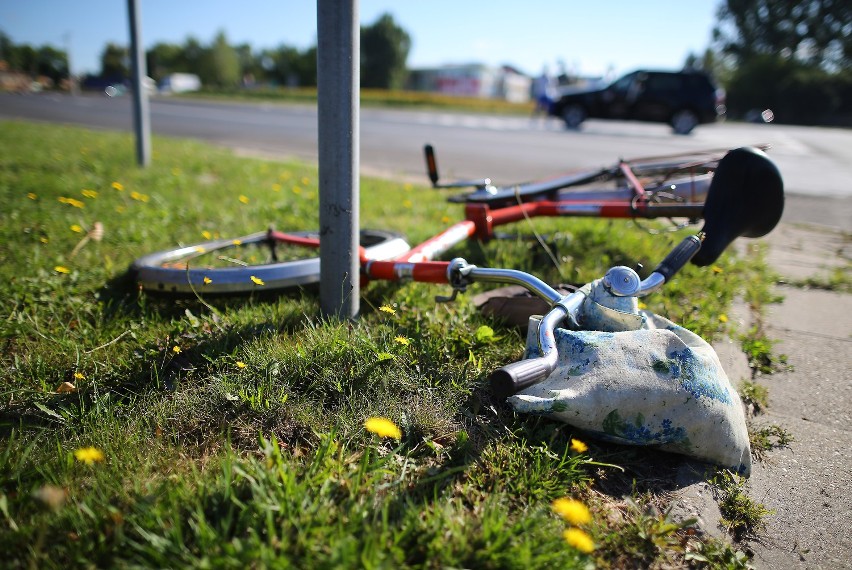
{"points": [[746, 198]]}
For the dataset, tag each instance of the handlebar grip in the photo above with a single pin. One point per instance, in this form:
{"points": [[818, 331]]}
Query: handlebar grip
{"points": [[431, 164], [679, 256], [514, 377]]}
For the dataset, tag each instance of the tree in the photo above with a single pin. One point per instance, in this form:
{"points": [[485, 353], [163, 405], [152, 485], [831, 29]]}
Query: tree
{"points": [[114, 62], [163, 59], [384, 51], [220, 64], [814, 32]]}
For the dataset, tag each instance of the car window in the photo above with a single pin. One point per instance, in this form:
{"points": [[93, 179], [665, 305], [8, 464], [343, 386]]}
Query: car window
{"points": [[624, 83], [664, 82]]}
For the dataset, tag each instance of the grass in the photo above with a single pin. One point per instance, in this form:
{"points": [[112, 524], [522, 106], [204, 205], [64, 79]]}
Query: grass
{"points": [[232, 430], [374, 98]]}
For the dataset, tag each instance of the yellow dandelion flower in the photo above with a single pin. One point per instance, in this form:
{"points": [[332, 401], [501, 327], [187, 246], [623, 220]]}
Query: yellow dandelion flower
{"points": [[62, 269], [31, 195], [237, 242], [407, 203], [297, 190], [79, 376], [120, 209], [207, 280], [257, 280], [206, 235], [89, 193], [176, 349], [383, 427], [402, 340], [286, 175], [723, 318], [89, 455], [407, 186], [118, 186], [76, 229], [241, 364], [305, 181], [445, 220], [573, 511], [176, 171], [579, 540], [244, 199], [71, 202], [44, 240], [139, 197], [579, 446], [199, 249], [276, 187], [387, 309], [642, 305], [717, 269]]}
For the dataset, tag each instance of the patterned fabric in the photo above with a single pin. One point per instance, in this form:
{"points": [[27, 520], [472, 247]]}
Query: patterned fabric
{"points": [[640, 379]]}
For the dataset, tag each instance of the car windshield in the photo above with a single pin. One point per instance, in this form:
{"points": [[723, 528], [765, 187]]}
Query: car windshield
{"points": [[623, 84]]}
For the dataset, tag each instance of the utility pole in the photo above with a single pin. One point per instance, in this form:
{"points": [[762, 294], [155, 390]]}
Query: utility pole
{"points": [[141, 113], [338, 69]]}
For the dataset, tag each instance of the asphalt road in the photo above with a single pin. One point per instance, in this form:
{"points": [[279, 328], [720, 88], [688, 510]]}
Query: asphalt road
{"points": [[816, 162]]}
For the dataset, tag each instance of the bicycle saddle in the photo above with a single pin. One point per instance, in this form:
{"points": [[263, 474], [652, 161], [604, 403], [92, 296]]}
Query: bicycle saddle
{"points": [[746, 198]]}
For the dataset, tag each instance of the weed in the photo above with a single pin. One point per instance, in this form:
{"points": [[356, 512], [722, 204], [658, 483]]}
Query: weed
{"points": [[758, 348], [741, 515], [754, 395], [765, 439]]}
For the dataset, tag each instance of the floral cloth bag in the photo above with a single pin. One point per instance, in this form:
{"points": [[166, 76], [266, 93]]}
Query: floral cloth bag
{"points": [[633, 377]]}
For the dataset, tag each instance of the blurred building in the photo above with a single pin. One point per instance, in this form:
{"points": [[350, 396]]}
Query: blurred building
{"points": [[473, 80]]}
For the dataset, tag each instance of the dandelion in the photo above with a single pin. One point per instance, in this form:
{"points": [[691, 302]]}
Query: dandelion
{"points": [[244, 199], [199, 249], [71, 202], [207, 280], [387, 309], [305, 180], [89, 455], [445, 220], [276, 187], [79, 376], [402, 340], [62, 269], [408, 186], [43, 239], [579, 446], [175, 171], [257, 280], [118, 186], [717, 269], [120, 209], [642, 305], [89, 193], [176, 349], [76, 229], [573, 511], [31, 195], [237, 242], [407, 204], [723, 318], [382, 427], [206, 235], [241, 364], [297, 190], [139, 197], [579, 539], [286, 175]]}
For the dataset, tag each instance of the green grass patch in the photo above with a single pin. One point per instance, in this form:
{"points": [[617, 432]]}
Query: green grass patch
{"points": [[374, 98], [230, 431]]}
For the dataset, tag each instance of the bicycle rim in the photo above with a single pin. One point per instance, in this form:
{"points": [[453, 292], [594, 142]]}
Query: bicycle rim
{"points": [[243, 265]]}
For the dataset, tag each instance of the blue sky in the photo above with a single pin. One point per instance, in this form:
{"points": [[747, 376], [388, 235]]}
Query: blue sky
{"points": [[589, 37]]}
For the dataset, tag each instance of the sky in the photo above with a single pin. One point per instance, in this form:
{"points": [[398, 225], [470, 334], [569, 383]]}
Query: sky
{"points": [[591, 38]]}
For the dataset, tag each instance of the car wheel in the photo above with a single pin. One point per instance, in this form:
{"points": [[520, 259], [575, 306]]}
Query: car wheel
{"points": [[573, 115], [684, 121]]}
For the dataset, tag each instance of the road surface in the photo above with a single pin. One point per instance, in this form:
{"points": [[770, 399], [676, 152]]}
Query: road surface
{"points": [[816, 162]]}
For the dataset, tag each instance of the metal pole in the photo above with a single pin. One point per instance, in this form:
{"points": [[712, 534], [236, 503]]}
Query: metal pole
{"points": [[141, 114], [338, 68]]}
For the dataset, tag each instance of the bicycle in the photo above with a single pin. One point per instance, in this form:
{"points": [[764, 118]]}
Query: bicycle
{"points": [[737, 193]]}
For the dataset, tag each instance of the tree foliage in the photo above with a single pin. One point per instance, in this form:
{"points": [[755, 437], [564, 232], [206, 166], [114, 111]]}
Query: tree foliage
{"points": [[114, 62], [815, 32], [384, 51]]}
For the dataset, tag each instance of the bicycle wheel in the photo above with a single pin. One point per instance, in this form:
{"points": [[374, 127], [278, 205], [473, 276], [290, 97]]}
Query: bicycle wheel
{"points": [[256, 262]]}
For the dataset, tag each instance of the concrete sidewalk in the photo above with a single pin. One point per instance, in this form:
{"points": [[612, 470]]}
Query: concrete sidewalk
{"points": [[807, 485]]}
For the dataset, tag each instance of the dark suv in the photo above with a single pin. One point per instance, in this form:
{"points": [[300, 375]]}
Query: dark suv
{"points": [[683, 99]]}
